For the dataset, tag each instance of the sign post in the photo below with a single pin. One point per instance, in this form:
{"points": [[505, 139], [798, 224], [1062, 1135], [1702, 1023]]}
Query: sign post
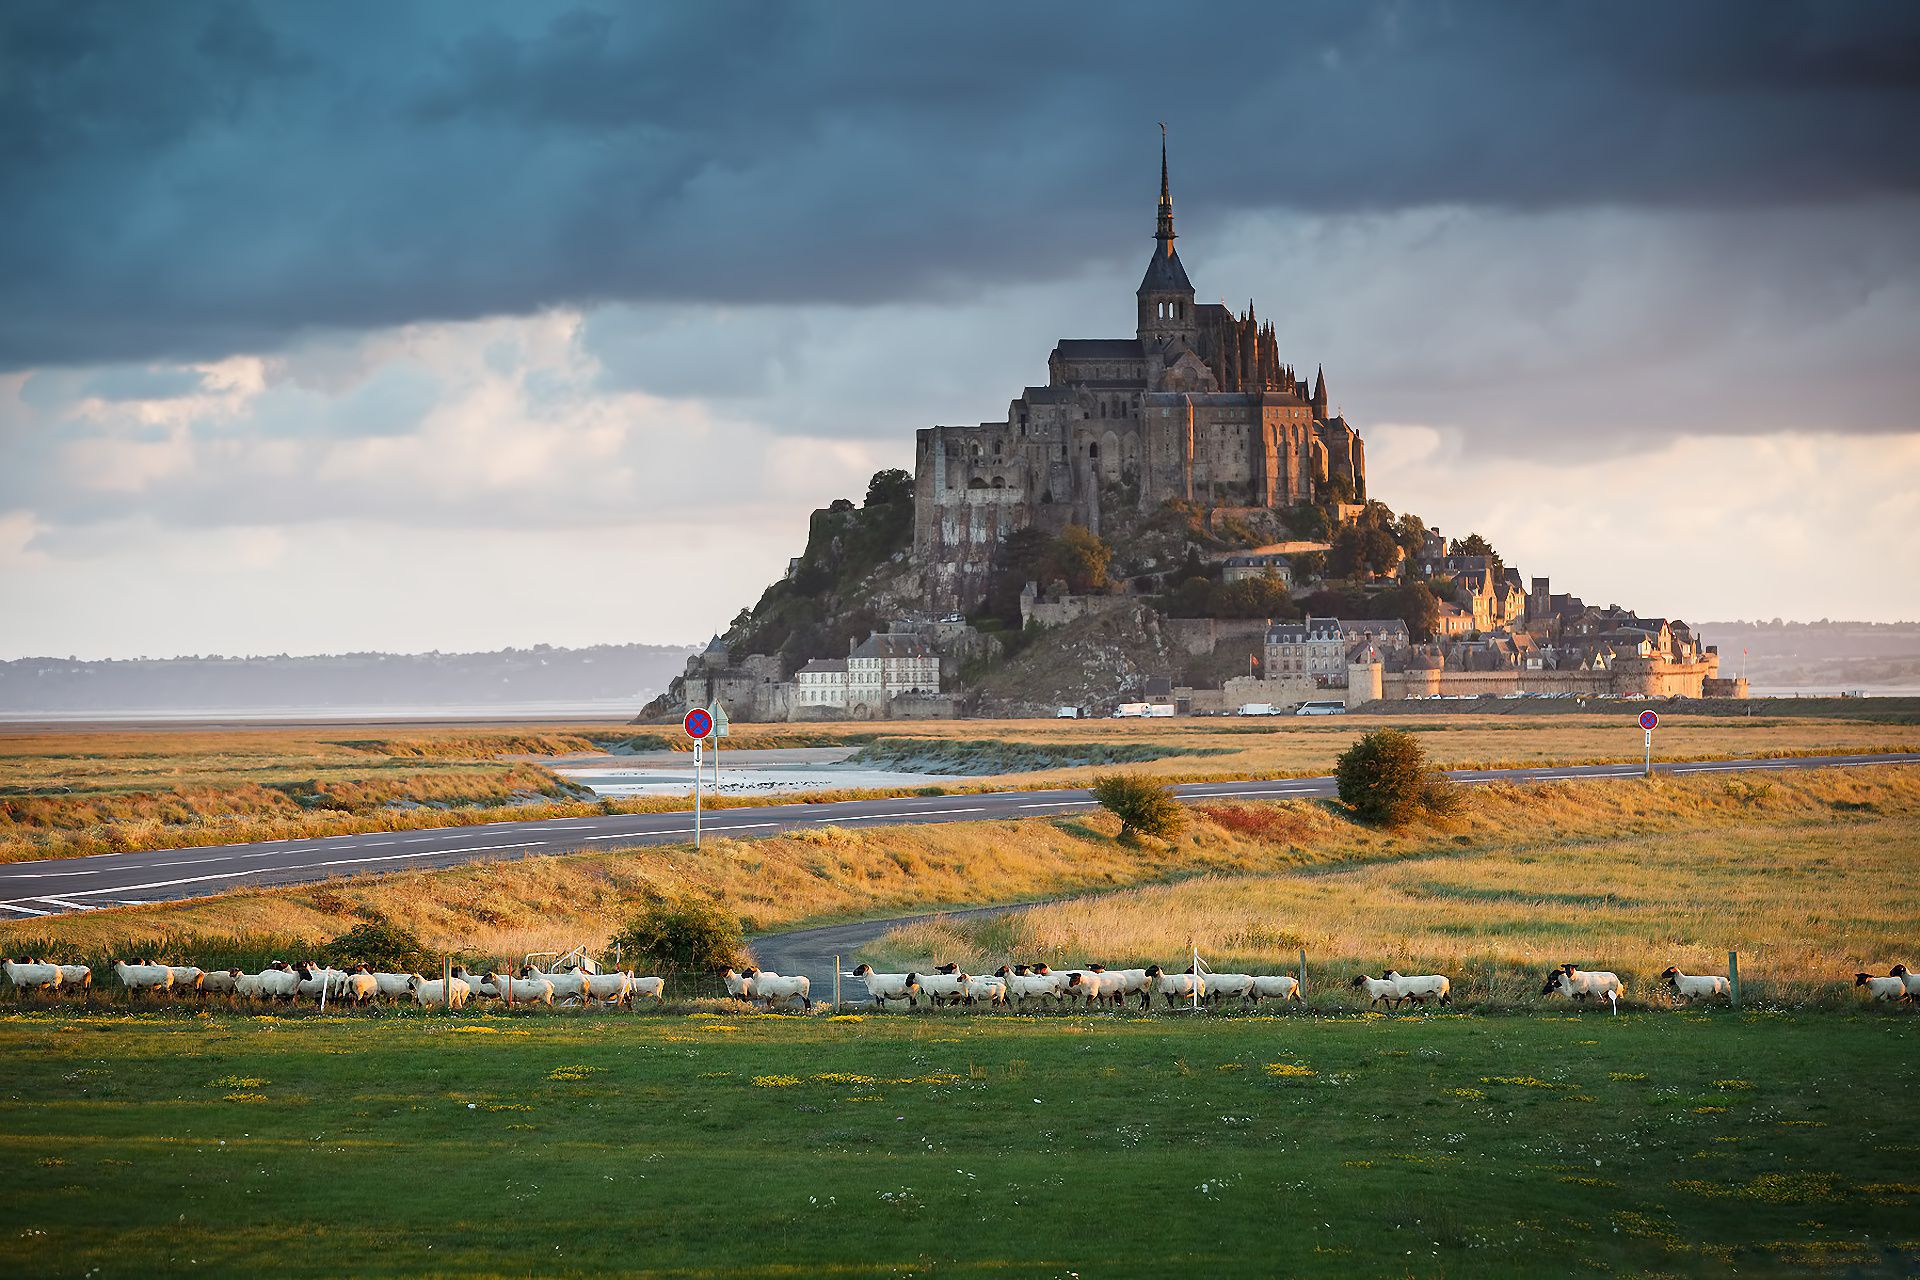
{"points": [[721, 727], [698, 725], [1649, 720]]}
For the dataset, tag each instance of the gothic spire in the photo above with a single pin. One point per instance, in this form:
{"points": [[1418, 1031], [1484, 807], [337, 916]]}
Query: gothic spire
{"points": [[1164, 231]]}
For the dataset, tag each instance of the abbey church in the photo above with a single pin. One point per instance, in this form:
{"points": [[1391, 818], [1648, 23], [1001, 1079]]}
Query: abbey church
{"points": [[1195, 406]]}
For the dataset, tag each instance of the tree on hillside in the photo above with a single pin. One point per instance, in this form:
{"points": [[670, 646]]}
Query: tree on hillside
{"points": [[1410, 531], [889, 486], [1415, 604], [1080, 556], [681, 935], [1475, 545], [1262, 597]]}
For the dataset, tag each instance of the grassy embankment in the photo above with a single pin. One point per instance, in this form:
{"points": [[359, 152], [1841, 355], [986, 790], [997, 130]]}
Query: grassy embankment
{"points": [[1809, 874], [73, 793], [1673, 1144]]}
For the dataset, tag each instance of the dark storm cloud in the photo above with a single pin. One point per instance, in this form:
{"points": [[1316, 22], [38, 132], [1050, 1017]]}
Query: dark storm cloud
{"points": [[187, 182]]}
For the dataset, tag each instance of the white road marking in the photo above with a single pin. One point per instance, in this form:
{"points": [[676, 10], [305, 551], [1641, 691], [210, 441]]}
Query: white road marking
{"points": [[62, 902], [1056, 804], [14, 906], [1228, 795], [910, 813]]}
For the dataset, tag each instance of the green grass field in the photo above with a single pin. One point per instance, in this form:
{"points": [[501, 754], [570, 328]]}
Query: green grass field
{"points": [[1657, 1143]]}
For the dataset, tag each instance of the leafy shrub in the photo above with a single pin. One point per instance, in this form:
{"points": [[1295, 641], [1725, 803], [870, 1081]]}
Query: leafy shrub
{"points": [[1144, 807], [389, 947], [1385, 778], [680, 935]]}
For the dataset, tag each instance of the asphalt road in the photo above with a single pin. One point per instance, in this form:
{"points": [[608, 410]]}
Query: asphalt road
{"points": [[54, 887]]}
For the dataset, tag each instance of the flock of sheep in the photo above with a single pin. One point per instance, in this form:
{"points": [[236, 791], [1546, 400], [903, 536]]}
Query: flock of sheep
{"points": [[1024, 986], [359, 985]]}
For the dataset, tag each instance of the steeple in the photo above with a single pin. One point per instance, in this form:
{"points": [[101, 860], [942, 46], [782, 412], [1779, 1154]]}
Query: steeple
{"points": [[1320, 391], [1165, 295], [1164, 231]]}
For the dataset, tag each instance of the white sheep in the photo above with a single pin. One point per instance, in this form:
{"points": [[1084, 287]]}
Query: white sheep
{"points": [[276, 982], [775, 988], [1690, 988], [439, 992], [735, 980], [1378, 989], [186, 978], [1229, 986], [1023, 986], [1127, 982], [1276, 986], [653, 988], [1912, 980], [1583, 984], [1091, 987], [360, 985], [1175, 986], [312, 982], [1419, 990], [888, 986], [950, 988], [609, 988], [220, 982], [143, 977], [993, 990], [1890, 987], [31, 975], [477, 984], [567, 984], [521, 990]]}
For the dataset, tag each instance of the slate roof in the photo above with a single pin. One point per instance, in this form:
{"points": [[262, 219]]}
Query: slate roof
{"points": [[1099, 349], [1165, 274], [824, 666], [891, 644]]}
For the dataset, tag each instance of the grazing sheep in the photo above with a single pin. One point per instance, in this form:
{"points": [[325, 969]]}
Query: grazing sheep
{"points": [[1229, 986], [1421, 989], [609, 988], [774, 988], [1378, 989], [736, 981], [1277, 986], [76, 977], [360, 985], [476, 984], [888, 986], [1127, 982], [439, 992], [521, 990], [186, 979], [567, 984], [1580, 984], [1092, 986], [653, 988], [314, 982], [30, 975], [1912, 980], [275, 982], [219, 982], [143, 977], [396, 986], [1690, 988], [1175, 986], [1887, 988], [948, 988], [1023, 986], [951, 966], [992, 990]]}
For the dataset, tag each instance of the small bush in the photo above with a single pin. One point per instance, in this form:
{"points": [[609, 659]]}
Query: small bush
{"points": [[386, 946], [1384, 778], [683, 935], [1144, 807]]}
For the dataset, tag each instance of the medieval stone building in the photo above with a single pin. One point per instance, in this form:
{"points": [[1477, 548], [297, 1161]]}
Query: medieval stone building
{"points": [[1195, 406]]}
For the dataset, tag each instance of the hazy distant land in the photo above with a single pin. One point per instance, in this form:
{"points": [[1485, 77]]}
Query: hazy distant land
{"points": [[612, 677], [1873, 657]]}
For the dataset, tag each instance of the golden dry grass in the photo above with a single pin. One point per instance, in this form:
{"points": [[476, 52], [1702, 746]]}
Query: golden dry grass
{"points": [[1519, 879], [1811, 879], [76, 792]]}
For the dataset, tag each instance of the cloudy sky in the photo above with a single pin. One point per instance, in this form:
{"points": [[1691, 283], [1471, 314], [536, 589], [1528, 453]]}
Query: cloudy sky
{"points": [[470, 324]]}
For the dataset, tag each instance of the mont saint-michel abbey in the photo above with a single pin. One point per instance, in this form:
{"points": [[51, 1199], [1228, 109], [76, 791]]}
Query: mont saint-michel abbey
{"points": [[1195, 406]]}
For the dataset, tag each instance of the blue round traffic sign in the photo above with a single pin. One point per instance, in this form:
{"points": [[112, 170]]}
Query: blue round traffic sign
{"points": [[1648, 720], [699, 724]]}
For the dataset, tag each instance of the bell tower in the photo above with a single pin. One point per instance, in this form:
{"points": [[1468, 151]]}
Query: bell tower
{"points": [[1166, 316]]}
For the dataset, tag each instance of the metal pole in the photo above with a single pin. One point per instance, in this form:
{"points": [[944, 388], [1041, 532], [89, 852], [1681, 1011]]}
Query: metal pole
{"points": [[326, 971], [836, 983], [1733, 977], [1649, 753], [696, 794], [1195, 992]]}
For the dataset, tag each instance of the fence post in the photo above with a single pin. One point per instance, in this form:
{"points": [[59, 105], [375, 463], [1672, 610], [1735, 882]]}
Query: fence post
{"points": [[1303, 973], [836, 982], [446, 979], [1733, 977]]}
